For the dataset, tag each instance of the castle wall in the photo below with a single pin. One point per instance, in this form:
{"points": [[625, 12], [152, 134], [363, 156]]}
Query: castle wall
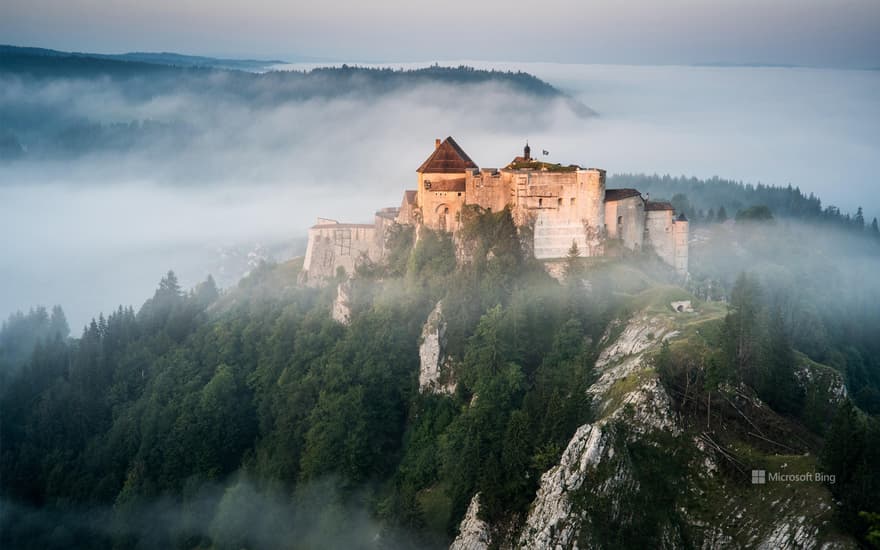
{"points": [[566, 206], [659, 225], [441, 210], [625, 220], [441, 197], [681, 234], [488, 189], [335, 245], [407, 212]]}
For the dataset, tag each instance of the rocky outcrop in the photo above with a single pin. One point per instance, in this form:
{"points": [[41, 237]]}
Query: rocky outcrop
{"points": [[435, 366], [552, 522], [473, 533], [633, 408], [341, 309]]}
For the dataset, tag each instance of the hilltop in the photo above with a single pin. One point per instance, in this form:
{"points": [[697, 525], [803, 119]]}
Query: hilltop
{"points": [[276, 85]]}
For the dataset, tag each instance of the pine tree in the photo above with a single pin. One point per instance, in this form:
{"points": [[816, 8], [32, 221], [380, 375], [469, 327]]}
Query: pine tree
{"points": [[777, 385], [741, 327], [169, 286], [722, 215], [859, 219], [58, 322], [844, 444], [875, 229]]}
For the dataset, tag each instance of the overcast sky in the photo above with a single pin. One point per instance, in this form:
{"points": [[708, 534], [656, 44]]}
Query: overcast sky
{"points": [[839, 33]]}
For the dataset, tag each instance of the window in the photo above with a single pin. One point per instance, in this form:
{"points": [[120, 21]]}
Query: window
{"points": [[540, 203], [559, 202], [427, 184], [572, 201]]}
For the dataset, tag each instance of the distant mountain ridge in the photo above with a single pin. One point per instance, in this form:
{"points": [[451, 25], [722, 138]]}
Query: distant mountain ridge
{"points": [[156, 58], [36, 126], [322, 81]]}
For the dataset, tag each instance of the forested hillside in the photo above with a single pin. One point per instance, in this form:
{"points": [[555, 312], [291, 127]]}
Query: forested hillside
{"points": [[716, 200], [141, 104], [251, 418]]}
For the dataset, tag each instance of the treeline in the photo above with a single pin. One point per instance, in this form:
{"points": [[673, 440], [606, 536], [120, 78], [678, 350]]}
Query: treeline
{"points": [[23, 331], [195, 389], [164, 69], [716, 200]]}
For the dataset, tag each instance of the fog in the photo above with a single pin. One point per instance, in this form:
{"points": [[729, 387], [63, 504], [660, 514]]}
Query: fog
{"points": [[220, 175], [241, 514]]}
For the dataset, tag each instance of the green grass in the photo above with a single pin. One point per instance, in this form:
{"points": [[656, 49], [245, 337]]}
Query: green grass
{"points": [[545, 166]]}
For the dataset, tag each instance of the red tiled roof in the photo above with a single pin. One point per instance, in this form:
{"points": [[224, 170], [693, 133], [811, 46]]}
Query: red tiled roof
{"points": [[620, 194], [456, 184], [447, 158], [653, 205]]}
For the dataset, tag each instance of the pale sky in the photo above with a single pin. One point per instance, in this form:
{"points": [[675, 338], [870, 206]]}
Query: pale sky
{"points": [[838, 33]]}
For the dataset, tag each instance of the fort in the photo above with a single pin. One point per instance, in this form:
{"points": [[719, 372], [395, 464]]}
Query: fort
{"points": [[562, 205]]}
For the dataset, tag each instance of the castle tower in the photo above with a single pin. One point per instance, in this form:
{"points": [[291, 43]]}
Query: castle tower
{"points": [[680, 236], [441, 191]]}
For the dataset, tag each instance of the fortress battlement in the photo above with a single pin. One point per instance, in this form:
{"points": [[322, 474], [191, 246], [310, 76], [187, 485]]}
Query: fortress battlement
{"points": [[564, 204]]}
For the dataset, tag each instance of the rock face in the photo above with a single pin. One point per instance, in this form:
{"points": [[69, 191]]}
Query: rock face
{"points": [[594, 468], [473, 533], [549, 524], [341, 310], [434, 364], [552, 522]]}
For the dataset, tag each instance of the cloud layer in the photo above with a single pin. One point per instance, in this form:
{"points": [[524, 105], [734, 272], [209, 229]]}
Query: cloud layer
{"points": [[95, 229]]}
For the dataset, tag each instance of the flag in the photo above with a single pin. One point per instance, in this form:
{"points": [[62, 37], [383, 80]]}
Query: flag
{"points": [[545, 152]]}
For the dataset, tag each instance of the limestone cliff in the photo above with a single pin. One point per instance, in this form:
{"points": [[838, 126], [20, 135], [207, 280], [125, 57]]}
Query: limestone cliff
{"points": [[341, 310], [435, 366], [592, 485], [473, 532]]}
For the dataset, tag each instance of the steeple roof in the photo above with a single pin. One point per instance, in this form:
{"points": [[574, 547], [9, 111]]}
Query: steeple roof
{"points": [[448, 157]]}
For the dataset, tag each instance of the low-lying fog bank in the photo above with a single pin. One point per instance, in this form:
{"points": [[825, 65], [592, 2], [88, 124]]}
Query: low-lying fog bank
{"points": [[91, 231]]}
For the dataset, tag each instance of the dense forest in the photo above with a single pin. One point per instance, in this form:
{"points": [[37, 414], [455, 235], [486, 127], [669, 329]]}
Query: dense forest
{"points": [[260, 384], [250, 418], [716, 200]]}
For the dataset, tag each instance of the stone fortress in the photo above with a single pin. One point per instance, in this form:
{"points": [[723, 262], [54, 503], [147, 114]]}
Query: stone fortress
{"points": [[563, 204]]}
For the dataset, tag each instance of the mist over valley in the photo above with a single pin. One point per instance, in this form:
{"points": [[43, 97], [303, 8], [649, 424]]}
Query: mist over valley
{"points": [[181, 162]]}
